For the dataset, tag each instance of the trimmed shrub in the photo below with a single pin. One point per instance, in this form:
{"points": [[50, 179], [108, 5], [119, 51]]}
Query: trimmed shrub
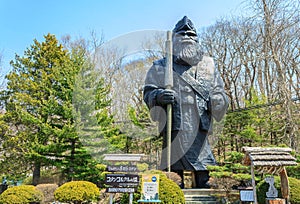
{"points": [[48, 192], [77, 192], [169, 191], [21, 194], [262, 188], [293, 171], [142, 167]]}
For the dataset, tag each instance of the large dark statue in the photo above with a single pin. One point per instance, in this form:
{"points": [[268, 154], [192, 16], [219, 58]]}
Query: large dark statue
{"points": [[197, 96]]}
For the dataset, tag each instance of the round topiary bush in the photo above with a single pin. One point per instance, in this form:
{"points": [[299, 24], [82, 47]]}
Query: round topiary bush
{"points": [[169, 191], [262, 188], [77, 192], [21, 194]]}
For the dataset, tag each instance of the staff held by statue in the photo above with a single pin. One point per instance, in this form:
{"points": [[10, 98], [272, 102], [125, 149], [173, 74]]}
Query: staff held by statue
{"points": [[169, 85]]}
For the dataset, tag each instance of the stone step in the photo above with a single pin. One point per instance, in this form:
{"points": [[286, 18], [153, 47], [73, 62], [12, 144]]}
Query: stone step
{"points": [[199, 196], [202, 196], [206, 191], [201, 200]]}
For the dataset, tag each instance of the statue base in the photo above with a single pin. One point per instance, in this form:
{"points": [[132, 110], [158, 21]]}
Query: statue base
{"points": [[189, 179]]}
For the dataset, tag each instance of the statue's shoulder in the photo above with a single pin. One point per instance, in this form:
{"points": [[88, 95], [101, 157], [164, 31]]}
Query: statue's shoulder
{"points": [[158, 65], [207, 63], [160, 62], [206, 68], [155, 74], [207, 59]]}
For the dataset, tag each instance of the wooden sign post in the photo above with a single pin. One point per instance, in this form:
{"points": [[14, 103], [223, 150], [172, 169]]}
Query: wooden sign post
{"points": [[122, 179]]}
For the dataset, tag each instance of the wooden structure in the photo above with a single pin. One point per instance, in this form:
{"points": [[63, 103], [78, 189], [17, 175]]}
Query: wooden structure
{"points": [[271, 161], [123, 157]]}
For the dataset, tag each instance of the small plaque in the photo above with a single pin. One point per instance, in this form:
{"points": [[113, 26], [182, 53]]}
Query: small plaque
{"points": [[122, 168], [247, 195], [120, 190]]}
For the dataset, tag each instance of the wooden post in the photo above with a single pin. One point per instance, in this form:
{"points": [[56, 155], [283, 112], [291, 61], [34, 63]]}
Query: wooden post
{"points": [[253, 183], [189, 179], [110, 198], [284, 183], [130, 198]]}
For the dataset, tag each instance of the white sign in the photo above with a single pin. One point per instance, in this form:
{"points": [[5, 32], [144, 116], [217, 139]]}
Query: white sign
{"points": [[247, 195], [150, 188]]}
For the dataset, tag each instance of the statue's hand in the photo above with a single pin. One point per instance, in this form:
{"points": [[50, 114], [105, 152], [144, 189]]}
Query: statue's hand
{"points": [[217, 106], [165, 96], [217, 102]]}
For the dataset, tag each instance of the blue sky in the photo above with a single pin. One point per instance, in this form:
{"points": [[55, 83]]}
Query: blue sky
{"points": [[25, 20]]}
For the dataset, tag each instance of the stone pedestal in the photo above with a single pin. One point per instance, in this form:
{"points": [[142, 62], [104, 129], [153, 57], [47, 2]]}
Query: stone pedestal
{"points": [[275, 201], [188, 179]]}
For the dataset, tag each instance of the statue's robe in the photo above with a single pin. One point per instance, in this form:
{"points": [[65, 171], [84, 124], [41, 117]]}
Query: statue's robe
{"points": [[192, 111]]}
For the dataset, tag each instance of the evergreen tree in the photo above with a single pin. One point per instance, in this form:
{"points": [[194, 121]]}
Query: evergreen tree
{"points": [[92, 103], [44, 129]]}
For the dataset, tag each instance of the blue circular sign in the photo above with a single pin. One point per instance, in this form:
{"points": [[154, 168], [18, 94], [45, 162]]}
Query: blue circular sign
{"points": [[154, 178]]}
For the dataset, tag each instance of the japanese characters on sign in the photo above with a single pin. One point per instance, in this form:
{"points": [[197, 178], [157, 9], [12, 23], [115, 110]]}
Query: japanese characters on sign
{"points": [[124, 180], [120, 190], [122, 168]]}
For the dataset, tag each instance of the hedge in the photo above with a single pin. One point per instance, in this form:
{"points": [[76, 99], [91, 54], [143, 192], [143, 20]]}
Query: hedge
{"points": [[77, 192], [21, 194]]}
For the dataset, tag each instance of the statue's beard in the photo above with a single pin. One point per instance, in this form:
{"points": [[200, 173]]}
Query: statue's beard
{"points": [[188, 54]]}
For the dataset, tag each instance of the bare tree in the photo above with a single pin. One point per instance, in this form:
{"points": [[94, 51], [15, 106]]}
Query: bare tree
{"points": [[260, 54], [279, 22]]}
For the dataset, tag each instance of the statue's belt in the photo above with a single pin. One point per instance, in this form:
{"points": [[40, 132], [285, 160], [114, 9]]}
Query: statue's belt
{"points": [[198, 86]]}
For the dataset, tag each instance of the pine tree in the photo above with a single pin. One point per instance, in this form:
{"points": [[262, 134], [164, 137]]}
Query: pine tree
{"points": [[89, 89], [57, 109], [39, 109]]}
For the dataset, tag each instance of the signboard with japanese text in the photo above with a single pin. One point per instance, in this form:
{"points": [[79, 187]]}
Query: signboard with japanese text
{"points": [[120, 190], [122, 168], [122, 179], [150, 188]]}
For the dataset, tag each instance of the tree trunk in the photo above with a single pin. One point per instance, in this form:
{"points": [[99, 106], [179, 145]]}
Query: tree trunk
{"points": [[72, 159], [36, 173]]}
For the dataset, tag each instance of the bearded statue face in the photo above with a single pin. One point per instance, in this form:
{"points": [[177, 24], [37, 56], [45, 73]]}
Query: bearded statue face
{"points": [[186, 49]]}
